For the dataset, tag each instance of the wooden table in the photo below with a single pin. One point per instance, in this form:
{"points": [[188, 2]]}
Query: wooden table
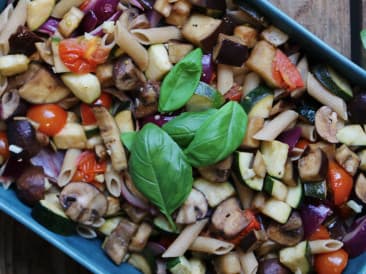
{"points": [[22, 252]]}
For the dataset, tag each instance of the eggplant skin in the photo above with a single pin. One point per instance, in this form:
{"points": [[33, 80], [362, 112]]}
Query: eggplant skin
{"points": [[31, 185], [22, 41], [356, 108], [232, 53]]}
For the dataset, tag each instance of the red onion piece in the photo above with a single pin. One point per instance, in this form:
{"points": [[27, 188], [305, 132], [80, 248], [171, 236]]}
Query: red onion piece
{"points": [[207, 68], [104, 9], [313, 216], [290, 137], [132, 199], [156, 248], [157, 119], [355, 240], [51, 161], [154, 18], [99, 30], [50, 26]]}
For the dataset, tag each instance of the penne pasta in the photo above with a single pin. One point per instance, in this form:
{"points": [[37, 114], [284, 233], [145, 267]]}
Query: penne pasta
{"points": [[5, 16], [157, 35], [245, 194], [131, 46], [187, 236], [113, 181], [248, 262], [324, 246], [225, 78], [308, 131], [316, 90], [273, 128], [68, 166], [251, 81], [211, 246], [228, 263]]}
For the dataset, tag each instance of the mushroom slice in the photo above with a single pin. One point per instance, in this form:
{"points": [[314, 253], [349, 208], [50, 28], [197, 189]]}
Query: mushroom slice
{"points": [[313, 165], [126, 75], [228, 219], [360, 187], [110, 134], [218, 172], [193, 209], [290, 233], [326, 124], [116, 244], [83, 203]]}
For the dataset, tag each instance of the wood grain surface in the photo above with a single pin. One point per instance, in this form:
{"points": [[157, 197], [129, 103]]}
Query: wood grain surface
{"points": [[23, 252]]}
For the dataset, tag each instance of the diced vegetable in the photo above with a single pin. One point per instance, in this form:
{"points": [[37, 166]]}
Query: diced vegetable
{"points": [[313, 165], [352, 135], [159, 63], [275, 188], [204, 97], [13, 64], [38, 11], [215, 193], [277, 210], [274, 36], [230, 50], [84, 86], [340, 183], [295, 195], [70, 21], [179, 265], [297, 258], [72, 135], [313, 216], [316, 190], [275, 155], [258, 102]]}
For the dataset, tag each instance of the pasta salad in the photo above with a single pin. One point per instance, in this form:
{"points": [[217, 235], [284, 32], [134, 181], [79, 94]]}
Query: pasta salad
{"points": [[190, 136]]}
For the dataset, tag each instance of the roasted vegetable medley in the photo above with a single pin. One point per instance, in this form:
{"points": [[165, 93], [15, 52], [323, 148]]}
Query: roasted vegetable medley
{"points": [[189, 136]]}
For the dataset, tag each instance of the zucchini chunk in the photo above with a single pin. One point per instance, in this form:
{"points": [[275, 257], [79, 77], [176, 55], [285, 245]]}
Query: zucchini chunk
{"points": [[258, 102], [352, 135], [297, 258], [277, 210], [275, 188], [275, 156], [316, 190], [295, 195], [215, 193]]}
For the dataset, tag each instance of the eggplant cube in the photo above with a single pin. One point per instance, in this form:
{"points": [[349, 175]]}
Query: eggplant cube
{"points": [[231, 51]]}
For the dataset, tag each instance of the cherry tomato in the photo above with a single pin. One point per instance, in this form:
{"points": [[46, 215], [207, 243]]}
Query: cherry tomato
{"points": [[88, 167], [321, 233], [253, 224], [285, 72], [331, 263], [81, 55], [50, 117], [4, 147], [86, 112], [340, 182], [234, 94]]}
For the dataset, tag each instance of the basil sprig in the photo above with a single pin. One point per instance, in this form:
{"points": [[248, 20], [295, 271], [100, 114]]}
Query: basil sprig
{"points": [[180, 83], [159, 170], [184, 127], [219, 136]]}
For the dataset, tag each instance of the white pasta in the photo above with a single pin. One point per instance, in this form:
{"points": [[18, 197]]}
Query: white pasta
{"points": [[308, 131], [185, 239], [211, 246], [248, 261], [251, 81], [5, 16], [225, 78], [68, 167], [156, 35], [113, 181], [324, 246], [131, 46], [273, 128]]}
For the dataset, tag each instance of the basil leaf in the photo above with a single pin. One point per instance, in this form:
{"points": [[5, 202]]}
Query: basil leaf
{"points": [[181, 82], [363, 38], [183, 127], [219, 136], [128, 138], [159, 170]]}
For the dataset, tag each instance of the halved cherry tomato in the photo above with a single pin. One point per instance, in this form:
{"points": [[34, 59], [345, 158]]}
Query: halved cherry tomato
{"points": [[285, 73], [340, 182], [234, 94], [88, 167], [331, 263], [4, 147], [50, 117], [86, 112], [82, 55], [321, 233]]}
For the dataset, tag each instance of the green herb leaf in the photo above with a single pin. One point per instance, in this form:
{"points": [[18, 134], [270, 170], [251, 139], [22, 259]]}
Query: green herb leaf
{"points": [[128, 138], [183, 127], [219, 136], [181, 82], [363, 38], [159, 170]]}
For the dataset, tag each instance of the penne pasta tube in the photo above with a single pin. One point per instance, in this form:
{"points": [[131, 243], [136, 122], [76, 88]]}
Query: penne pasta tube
{"points": [[5, 16], [316, 90], [308, 131], [245, 194], [185, 239], [324, 246], [113, 181], [211, 246], [16, 19], [248, 262], [225, 78], [251, 81], [131, 46], [68, 166], [228, 263], [157, 35], [273, 128]]}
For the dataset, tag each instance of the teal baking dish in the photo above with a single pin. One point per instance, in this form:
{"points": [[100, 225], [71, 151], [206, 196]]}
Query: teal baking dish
{"points": [[88, 252]]}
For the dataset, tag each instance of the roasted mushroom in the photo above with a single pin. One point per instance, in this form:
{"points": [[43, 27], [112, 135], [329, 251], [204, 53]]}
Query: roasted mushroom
{"points": [[228, 219], [31, 185], [146, 101], [218, 172], [253, 240], [116, 244], [193, 209], [313, 165], [134, 213], [139, 241], [326, 124], [23, 41], [287, 234], [126, 75], [83, 203]]}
